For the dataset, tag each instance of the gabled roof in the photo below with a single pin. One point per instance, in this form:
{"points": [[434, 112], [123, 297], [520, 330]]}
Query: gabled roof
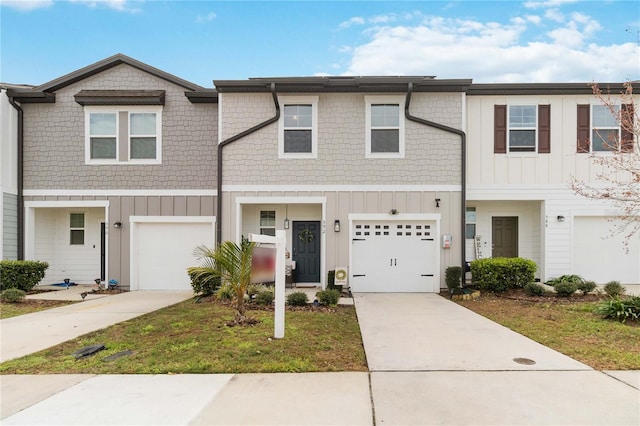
{"points": [[111, 62]]}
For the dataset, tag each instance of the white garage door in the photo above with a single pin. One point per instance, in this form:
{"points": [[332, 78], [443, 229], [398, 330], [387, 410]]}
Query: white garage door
{"points": [[601, 258], [394, 256], [165, 251]]}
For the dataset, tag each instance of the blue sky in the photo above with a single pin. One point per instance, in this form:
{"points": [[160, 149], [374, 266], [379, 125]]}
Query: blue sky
{"points": [[505, 41]]}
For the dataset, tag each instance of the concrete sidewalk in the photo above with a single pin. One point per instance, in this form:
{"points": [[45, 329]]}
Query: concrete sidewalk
{"points": [[26, 334]]}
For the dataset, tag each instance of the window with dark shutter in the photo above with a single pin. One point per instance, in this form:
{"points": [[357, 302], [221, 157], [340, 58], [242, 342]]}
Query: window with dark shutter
{"points": [[626, 143], [584, 128], [500, 129], [544, 129]]}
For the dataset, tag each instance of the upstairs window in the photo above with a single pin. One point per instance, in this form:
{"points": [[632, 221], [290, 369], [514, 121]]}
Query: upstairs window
{"points": [[76, 229], [298, 133], [522, 128], [384, 127], [123, 136], [599, 129]]}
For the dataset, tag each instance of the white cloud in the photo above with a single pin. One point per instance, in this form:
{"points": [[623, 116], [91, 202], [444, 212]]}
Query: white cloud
{"points": [[356, 20], [547, 4], [554, 15], [119, 5], [206, 18], [495, 52], [26, 5]]}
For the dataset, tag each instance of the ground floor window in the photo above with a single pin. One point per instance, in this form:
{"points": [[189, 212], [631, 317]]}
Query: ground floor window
{"points": [[268, 222], [470, 227], [76, 229]]}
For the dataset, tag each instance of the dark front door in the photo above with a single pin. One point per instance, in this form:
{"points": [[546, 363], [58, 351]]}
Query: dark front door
{"points": [[504, 235], [306, 251]]}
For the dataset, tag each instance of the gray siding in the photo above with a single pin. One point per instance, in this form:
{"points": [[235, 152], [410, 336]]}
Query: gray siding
{"points": [[54, 140], [9, 226], [432, 157]]}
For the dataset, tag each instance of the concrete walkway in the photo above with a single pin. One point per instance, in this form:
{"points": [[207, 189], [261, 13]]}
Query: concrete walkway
{"points": [[431, 362]]}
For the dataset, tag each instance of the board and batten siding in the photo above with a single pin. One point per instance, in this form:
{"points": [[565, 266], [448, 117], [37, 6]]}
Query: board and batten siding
{"points": [[9, 226]]}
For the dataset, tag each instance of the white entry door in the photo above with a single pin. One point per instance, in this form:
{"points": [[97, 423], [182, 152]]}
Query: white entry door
{"points": [[394, 256], [164, 251]]}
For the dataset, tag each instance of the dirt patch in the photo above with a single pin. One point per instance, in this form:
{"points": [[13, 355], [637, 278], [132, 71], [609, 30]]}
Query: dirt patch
{"points": [[520, 295]]}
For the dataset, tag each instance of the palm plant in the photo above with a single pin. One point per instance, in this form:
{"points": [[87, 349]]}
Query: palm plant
{"points": [[232, 264]]}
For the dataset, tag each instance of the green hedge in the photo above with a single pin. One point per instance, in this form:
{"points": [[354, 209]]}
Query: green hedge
{"points": [[453, 277], [501, 273], [21, 274], [204, 284]]}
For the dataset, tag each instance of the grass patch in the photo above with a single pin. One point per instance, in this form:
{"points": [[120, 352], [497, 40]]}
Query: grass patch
{"points": [[27, 306], [193, 338], [568, 327]]}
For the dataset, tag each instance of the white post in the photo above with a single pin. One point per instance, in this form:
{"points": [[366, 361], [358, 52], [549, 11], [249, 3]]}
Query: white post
{"points": [[279, 241]]}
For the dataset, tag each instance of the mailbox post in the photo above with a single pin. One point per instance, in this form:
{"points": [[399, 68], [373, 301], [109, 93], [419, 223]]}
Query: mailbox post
{"points": [[279, 241]]}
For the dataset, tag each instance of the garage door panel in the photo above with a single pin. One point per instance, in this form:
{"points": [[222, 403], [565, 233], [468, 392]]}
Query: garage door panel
{"points": [[165, 251]]}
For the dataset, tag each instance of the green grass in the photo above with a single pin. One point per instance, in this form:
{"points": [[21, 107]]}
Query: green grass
{"points": [[193, 338], [568, 327], [27, 306]]}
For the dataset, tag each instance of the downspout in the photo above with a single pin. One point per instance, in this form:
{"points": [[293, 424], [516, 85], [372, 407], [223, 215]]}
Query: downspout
{"points": [[20, 177], [463, 172], [232, 139]]}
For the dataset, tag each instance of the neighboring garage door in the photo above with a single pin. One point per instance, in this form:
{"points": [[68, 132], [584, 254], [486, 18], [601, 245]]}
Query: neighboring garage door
{"points": [[165, 251], [599, 257], [394, 256]]}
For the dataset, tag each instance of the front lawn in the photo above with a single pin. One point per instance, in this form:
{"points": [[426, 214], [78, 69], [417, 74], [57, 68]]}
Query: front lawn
{"points": [[26, 306], [193, 338], [569, 326]]}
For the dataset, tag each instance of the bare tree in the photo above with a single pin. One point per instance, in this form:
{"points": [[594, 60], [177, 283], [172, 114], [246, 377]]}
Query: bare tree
{"points": [[618, 180]]}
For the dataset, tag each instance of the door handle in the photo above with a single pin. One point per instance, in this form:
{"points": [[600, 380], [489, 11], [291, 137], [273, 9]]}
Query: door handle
{"points": [[395, 262], [390, 262]]}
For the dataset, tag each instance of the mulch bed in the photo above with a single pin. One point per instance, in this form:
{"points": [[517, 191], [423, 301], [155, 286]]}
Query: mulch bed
{"points": [[520, 295], [255, 307], [43, 303]]}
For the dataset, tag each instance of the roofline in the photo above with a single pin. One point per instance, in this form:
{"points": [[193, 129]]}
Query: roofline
{"points": [[108, 63], [542, 88], [27, 96], [343, 84]]}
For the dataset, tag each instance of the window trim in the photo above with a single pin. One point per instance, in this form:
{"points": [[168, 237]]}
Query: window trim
{"points": [[122, 158], [467, 222], [77, 228], [298, 100], [592, 128], [535, 129], [384, 100], [261, 227]]}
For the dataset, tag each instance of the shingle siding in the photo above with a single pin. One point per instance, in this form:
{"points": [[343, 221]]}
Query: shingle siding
{"points": [[9, 226]]}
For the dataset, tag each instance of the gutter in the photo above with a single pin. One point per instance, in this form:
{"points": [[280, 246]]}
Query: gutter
{"points": [[463, 173], [230, 140], [20, 177]]}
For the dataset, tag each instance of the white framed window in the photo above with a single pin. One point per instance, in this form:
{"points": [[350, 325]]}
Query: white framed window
{"points": [[605, 128], [76, 229], [298, 127], [470, 226], [268, 222], [384, 122], [523, 128], [123, 135]]}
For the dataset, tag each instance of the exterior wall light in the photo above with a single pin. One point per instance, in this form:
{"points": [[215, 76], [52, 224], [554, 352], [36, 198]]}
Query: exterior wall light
{"points": [[560, 218], [336, 225], [393, 212], [286, 223], [117, 225], [437, 202]]}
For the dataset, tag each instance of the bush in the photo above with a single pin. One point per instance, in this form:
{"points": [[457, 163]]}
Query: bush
{"points": [[21, 274], [453, 277], [204, 285], [12, 295], [576, 279], [297, 298], [614, 288], [500, 273], [565, 288], [535, 289], [328, 297], [264, 297], [586, 287], [225, 292], [620, 309]]}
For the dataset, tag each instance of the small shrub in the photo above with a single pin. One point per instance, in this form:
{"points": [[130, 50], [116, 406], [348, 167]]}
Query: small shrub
{"points": [[264, 297], [21, 274], [586, 287], [203, 284], [535, 289], [565, 288], [620, 309], [614, 288], [572, 278], [297, 298], [12, 295], [453, 277], [328, 297], [225, 292]]}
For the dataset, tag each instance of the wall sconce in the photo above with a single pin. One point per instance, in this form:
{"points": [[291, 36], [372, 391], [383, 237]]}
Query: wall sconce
{"points": [[117, 225], [336, 225], [286, 223], [560, 218], [437, 202], [393, 212], [286, 216]]}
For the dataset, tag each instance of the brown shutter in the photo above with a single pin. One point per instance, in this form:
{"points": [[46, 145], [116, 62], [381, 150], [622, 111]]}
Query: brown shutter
{"points": [[500, 129], [584, 128], [627, 117], [544, 129]]}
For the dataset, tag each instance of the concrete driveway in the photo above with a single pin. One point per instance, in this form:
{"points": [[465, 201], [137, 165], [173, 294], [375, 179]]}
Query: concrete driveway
{"points": [[435, 362]]}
